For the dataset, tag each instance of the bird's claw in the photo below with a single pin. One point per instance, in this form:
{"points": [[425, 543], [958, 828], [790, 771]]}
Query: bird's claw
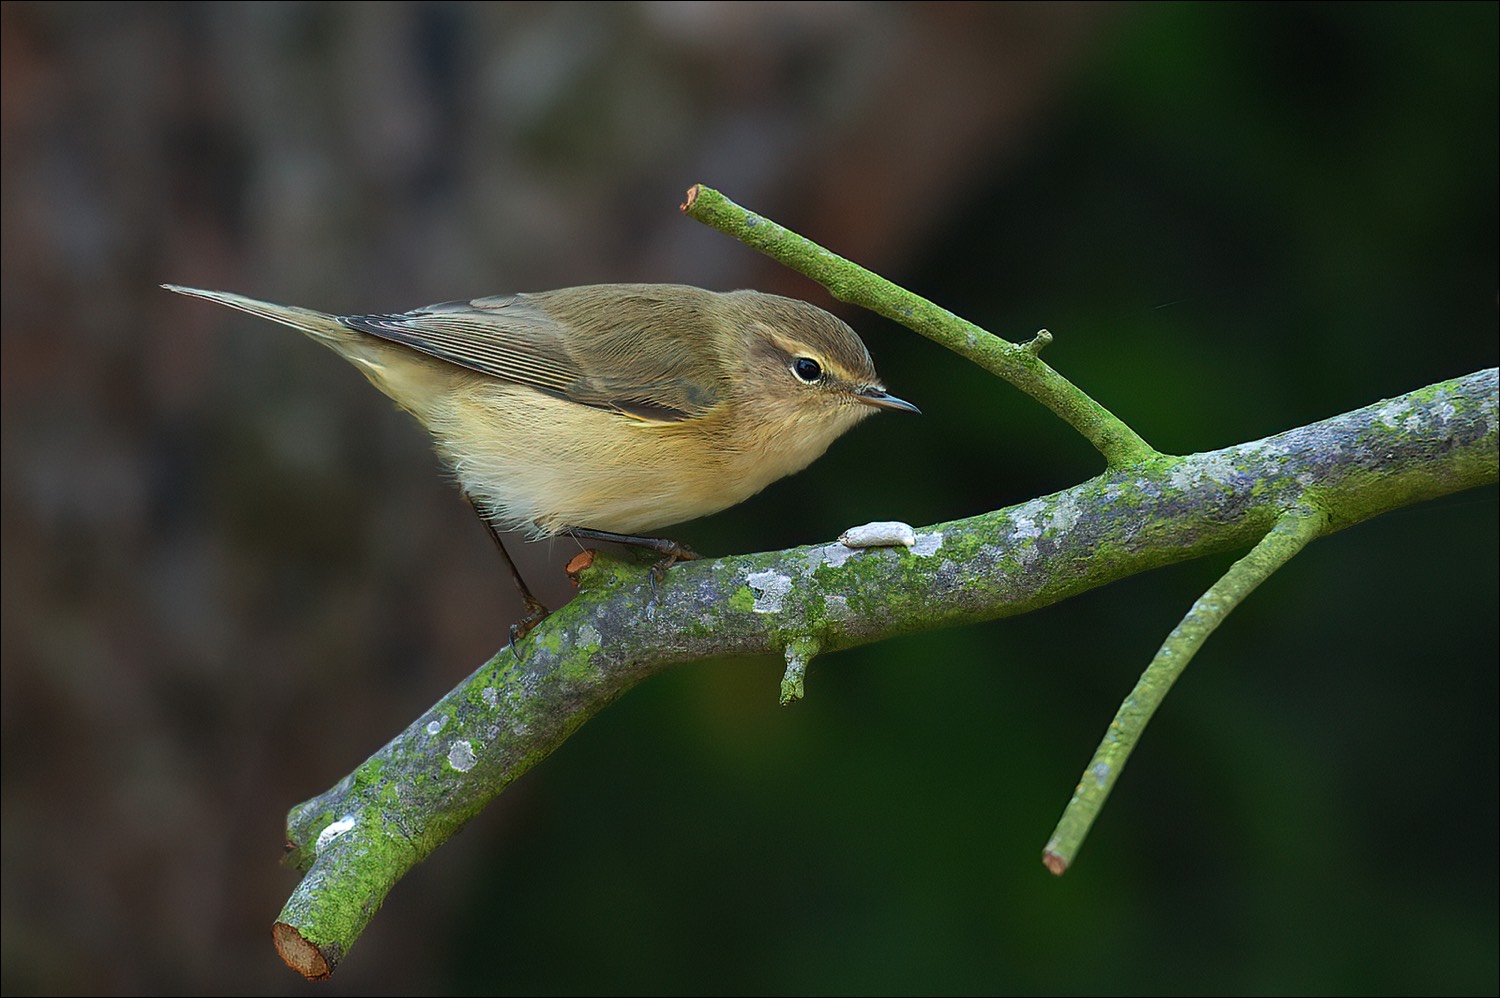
{"points": [[535, 614], [678, 552]]}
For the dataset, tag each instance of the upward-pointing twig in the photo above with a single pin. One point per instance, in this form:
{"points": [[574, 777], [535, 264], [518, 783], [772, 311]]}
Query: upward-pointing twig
{"points": [[847, 281]]}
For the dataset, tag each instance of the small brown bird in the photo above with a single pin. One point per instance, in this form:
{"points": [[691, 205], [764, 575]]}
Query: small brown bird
{"points": [[606, 410]]}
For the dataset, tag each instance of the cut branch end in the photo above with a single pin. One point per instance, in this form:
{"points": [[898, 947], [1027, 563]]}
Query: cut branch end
{"points": [[301, 955]]}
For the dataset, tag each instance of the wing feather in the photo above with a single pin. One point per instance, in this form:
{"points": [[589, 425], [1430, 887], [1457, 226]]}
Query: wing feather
{"points": [[515, 338]]}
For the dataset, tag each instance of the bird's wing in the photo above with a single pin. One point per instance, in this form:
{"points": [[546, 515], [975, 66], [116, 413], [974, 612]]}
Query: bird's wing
{"points": [[515, 338]]}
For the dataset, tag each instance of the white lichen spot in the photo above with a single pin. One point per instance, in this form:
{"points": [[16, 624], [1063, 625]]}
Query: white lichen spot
{"points": [[437, 724], [1023, 525], [837, 607], [1065, 515], [490, 696], [833, 555], [333, 831], [461, 755], [1266, 451], [1391, 413], [879, 534], [1212, 468], [1101, 773], [1219, 468], [770, 590], [589, 637], [928, 544]]}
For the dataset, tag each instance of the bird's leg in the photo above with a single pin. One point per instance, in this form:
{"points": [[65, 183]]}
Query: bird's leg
{"points": [[671, 551], [536, 611]]}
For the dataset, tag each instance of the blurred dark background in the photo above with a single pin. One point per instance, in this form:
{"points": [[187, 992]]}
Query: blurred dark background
{"points": [[231, 570]]}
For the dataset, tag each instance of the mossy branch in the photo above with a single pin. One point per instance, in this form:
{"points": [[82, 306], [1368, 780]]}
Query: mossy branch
{"points": [[354, 842], [847, 281]]}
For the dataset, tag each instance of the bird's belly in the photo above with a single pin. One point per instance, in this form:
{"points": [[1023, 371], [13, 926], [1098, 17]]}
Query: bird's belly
{"points": [[542, 464]]}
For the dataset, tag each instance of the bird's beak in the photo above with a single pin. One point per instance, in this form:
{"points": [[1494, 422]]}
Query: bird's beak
{"points": [[881, 399]]}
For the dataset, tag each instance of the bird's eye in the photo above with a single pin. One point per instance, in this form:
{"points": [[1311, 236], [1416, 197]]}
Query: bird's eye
{"points": [[807, 370]]}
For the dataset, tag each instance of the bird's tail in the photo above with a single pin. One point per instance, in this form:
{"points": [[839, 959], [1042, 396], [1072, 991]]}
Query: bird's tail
{"points": [[416, 382], [319, 325]]}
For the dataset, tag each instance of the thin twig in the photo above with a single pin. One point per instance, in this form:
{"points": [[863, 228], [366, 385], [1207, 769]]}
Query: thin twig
{"points": [[847, 281], [1295, 530]]}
